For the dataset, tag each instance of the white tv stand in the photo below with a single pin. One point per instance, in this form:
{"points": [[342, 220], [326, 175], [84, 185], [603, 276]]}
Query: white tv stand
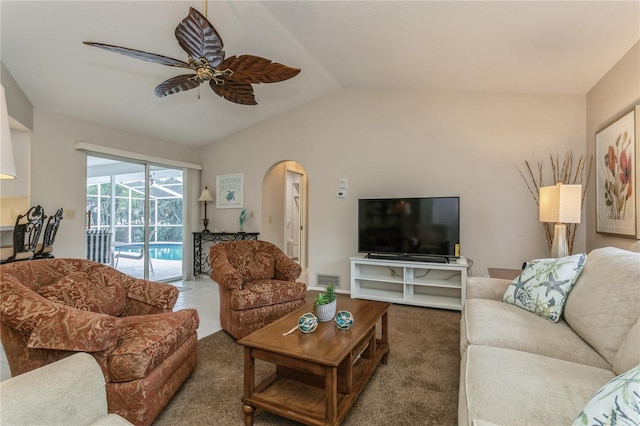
{"points": [[435, 285]]}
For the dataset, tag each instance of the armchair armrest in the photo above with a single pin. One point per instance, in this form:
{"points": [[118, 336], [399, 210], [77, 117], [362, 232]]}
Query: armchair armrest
{"points": [[226, 275], [50, 325], [486, 288], [286, 269], [148, 297], [223, 272]]}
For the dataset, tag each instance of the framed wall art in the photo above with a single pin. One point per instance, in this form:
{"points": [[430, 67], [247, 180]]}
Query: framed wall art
{"points": [[617, 200], [230, 191]]}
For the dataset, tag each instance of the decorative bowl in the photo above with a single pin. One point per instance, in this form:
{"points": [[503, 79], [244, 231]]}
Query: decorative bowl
{"points": [[344, 320], [307, 323]]}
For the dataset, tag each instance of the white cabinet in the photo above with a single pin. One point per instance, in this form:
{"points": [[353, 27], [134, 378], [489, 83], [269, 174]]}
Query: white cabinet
{"points": [[436, 285]]}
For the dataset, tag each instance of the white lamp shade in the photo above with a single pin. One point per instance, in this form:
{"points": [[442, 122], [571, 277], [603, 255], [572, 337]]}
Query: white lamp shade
{"points": [[7, 162], [206, 195], [561, 203]]}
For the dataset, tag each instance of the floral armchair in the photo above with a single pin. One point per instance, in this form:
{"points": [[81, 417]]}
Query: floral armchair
{"points": [[257, 284], [53, 308]]}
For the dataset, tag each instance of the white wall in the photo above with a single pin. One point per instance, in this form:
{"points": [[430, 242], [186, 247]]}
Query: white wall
{"points": [[613, 96], [58, 171], [409, 143]]}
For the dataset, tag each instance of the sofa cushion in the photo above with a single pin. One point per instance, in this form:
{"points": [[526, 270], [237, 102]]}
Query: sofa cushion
{"points": [[544, 284], [94, 292], [266, 292], [628, 355], [253, 266], [616, 402], [497, 324], [508, 387], [603, 305], [147, 340]]}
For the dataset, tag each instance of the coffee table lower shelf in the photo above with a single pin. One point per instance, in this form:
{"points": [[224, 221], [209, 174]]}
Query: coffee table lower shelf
{"points": [[304, 396]]}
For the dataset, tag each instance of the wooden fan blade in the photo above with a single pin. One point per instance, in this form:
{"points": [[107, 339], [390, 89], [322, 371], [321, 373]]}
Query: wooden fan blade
{"points": [[139, 54], [177, 84], [240, 93], [199, 39], [254, 69]]}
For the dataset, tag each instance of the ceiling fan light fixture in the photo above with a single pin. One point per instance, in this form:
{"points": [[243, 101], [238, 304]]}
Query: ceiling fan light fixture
{"points": [[230, 78]]}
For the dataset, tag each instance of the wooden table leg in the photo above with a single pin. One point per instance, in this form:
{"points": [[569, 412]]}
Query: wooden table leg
{"points": [[248, 411], [331, 392], [249, 385], [385, 336]]}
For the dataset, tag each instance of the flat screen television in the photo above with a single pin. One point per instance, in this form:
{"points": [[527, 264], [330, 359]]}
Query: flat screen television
{"points": [[412, 228]]}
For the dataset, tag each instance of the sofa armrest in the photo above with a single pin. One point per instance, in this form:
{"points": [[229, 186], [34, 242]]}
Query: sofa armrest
{"points": [[148, 297], [286, 269], [69, 391], [486, 288]]}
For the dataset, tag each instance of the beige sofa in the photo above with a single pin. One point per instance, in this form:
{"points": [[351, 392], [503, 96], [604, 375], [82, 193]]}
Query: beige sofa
{"points": [[68, 392], [518, 368]]}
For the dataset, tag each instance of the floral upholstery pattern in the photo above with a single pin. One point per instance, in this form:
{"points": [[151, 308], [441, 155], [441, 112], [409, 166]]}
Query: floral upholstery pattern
{"points": [[256, 294], [253, 266], [257, 284], [48, 326], [96, 293], [145, 341], [145, 353]]}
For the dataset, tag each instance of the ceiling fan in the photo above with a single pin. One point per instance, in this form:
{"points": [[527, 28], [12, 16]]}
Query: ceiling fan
{"points": [[231, 78]]}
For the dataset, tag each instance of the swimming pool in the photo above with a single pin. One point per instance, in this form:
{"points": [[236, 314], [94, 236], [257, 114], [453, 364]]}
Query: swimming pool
{"points": [[157, 250]]}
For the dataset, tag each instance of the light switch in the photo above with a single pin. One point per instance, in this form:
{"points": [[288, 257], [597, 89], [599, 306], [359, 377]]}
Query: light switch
{"points": [[343, 184]]}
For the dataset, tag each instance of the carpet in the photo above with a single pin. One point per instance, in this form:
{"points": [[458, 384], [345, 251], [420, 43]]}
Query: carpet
{"points": [[419, 385]]}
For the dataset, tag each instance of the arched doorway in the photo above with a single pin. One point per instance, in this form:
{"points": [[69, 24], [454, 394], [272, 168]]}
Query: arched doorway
{"points": [[284, 210]]}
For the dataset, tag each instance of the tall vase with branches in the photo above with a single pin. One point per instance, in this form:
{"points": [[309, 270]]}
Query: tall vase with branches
{"points": [[560, 173]]}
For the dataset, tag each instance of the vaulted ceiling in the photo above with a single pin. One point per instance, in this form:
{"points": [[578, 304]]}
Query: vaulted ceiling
{"points": [[549, 47]]}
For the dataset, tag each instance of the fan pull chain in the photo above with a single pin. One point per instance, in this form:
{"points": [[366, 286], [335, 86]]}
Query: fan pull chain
{"points": [[198, 92]]}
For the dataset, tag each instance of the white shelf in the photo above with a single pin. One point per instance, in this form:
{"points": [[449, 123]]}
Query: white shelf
{"points": [[436, 285]]}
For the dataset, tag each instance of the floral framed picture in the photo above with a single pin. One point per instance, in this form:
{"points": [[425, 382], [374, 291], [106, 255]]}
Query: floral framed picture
{"points": [[230, 191], [617, 178]]}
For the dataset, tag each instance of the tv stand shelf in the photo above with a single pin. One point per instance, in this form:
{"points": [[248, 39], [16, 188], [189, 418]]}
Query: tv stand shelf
{"points": [[435, 285]]}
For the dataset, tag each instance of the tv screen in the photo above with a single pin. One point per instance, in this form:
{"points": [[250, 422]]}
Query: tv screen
{"points": [[409, 226]]}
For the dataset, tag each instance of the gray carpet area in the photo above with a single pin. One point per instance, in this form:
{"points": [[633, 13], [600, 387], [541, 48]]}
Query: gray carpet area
{"points": [[418, 386]]}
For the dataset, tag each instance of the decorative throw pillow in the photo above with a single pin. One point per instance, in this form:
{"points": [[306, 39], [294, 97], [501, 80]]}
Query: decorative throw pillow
{"points": [[94, 292], [254, 266], [544, 284], [616, 403]]}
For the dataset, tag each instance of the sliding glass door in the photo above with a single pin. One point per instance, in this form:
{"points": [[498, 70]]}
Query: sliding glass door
{"points": [[134, 217]]}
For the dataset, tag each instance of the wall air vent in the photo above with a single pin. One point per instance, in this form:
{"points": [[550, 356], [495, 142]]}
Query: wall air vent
{"points": [[324, 280]]}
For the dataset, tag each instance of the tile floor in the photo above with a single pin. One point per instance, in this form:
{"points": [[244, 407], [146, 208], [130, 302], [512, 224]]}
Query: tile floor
{"points": [[201, 294]]}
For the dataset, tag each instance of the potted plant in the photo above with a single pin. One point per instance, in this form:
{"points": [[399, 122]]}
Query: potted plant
{"points": [[325, 304]]}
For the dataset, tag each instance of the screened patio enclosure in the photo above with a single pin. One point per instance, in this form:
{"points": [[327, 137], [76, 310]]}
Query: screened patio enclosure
{"points": [[138, 208]]}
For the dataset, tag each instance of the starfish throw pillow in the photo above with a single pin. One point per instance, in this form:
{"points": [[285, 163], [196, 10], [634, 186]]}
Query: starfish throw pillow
{"points": [[544, 284]]}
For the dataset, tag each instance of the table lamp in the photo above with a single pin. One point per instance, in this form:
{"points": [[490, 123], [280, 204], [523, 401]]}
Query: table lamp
{"points": [[560, 204], [206, 197]]}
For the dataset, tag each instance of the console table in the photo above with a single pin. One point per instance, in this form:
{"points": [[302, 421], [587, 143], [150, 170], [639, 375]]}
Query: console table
{"points": [[201, 263]]}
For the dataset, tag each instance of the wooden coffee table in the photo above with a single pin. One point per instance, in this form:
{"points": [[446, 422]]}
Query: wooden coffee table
{"points": [[318, 375]]}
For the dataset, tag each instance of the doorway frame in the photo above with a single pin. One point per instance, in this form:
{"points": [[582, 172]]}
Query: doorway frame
{"points": [[302, 212]]}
